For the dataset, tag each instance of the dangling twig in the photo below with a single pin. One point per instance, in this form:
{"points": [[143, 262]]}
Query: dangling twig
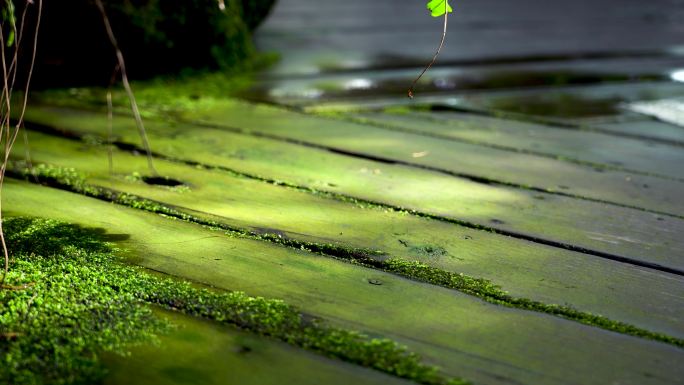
{"points": [[434, 58], [127, 86], [17, 44], [110, 119], [10, 136]]}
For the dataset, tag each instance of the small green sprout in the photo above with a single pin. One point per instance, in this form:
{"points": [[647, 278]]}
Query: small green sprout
{"points": [[438, 8]]}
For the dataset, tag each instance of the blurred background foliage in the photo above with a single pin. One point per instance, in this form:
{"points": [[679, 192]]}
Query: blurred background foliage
{"points": [[157, 37]]}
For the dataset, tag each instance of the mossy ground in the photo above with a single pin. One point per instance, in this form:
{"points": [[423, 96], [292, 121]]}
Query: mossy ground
{"points": [[73, 308], [167, 96], [80, 302]]}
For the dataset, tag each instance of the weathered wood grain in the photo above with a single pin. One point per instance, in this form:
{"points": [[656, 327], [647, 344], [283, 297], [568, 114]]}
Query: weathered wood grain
{"points": [[558, 143], [521, 169]]}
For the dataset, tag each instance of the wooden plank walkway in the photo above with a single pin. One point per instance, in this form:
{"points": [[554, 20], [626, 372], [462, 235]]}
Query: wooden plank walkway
{"points": [[503, 242], [549, 218], [521, 267], [498, 345]]}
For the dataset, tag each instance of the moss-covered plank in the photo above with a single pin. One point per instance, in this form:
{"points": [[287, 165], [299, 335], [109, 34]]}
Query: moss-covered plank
{"points": [[463, 335], [520, 169], [469, 160], [577, 146], [201, 352], [623, 232], [619, 291]]}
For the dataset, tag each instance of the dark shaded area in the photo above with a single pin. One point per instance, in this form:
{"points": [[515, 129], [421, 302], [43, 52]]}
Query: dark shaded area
{"points": [[255, 11], [50, 237], [162, 181], [156, 37], [558, 105]]}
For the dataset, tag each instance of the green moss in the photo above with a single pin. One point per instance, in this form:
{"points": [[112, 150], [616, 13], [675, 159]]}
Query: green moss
{"points": [[405, 110], [479, 287], [52, 332], [82, 302], [166, 97], [426, 250]]}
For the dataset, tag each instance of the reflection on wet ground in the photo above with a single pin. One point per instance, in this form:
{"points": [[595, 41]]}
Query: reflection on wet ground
{"points": [[361, 60], [388, 84]]}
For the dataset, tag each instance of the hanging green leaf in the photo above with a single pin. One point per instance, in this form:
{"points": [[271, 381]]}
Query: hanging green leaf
{"points": [[438, 8], [8, 17]]}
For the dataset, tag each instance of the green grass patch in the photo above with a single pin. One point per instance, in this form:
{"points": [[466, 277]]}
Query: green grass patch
{"points": [[80, 301]]}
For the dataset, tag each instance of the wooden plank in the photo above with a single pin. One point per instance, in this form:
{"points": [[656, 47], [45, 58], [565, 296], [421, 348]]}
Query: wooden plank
{"points": [[466, 337], [521, 169], [201, 352], [628, 233], [647, 129], [564, 144], [525, 269]]}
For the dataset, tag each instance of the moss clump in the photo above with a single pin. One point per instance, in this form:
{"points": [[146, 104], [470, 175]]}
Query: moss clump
{"points": [[81, 302], [51, 332], [426, 250]]}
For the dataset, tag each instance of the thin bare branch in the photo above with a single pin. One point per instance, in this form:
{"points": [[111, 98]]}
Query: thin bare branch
{"points": [[20, 122], [17, 44], [10, 136], [110, 119], [127, 86]]}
